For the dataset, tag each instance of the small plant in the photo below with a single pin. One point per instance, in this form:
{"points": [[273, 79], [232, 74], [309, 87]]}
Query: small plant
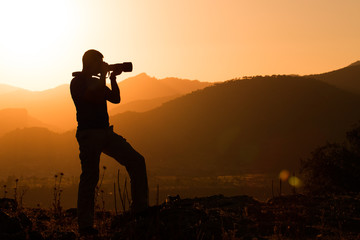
{"points": [[120, 194], [15, 190], [123, 194], [126, 194], [116, 212], [5, 191], [157, 194], [101, 222], [98, 188], [102, 194], [57, 194], [21, 197]]}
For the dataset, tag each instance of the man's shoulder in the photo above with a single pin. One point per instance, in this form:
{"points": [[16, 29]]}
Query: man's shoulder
{"points": [[78, 77], [76, 83]]}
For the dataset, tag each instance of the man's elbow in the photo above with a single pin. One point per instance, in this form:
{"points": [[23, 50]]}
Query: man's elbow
{"points": [[117, 100]]}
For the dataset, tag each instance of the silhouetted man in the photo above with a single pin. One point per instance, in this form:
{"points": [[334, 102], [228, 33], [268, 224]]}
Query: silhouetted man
{"points": [[94, 135]]}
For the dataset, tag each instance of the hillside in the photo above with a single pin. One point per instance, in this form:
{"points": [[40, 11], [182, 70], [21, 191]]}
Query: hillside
{"points": [[347, 78], [11, 119], [141, 105], [263, 124], [38, 152], [5, 88], [53, 107]]}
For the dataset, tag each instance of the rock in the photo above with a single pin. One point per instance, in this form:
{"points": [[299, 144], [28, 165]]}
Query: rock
{"points": [[24, 220], [41, 214], [9, 224], [71, 212], [34, 235], [172, 199], [64, 236], [8, 203]]}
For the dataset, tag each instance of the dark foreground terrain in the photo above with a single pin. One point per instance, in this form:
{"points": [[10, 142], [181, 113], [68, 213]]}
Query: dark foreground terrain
{"points": [[215, 217]]}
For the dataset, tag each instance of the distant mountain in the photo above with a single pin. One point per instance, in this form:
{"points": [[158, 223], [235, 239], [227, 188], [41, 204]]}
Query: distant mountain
{"points": [[143, 87], [4, 88], [11, 119], [347, 78], [55, 106], [258, 125]]}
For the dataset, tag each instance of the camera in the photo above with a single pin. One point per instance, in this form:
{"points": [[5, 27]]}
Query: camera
{"points": [[120, 67], [117, 68]]}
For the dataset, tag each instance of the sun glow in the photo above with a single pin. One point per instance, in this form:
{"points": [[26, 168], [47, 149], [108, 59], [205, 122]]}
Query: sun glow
{"points": [[32, 27], [32, 32], [42, 41]]}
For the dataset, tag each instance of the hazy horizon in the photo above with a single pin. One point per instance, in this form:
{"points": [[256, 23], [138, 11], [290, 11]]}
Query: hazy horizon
{"points": [[124, 78], [177, 77], [43, 41]]}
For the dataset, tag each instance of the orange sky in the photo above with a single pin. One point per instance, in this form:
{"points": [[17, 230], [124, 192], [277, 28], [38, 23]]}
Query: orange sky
{"points": [[210, 40]]}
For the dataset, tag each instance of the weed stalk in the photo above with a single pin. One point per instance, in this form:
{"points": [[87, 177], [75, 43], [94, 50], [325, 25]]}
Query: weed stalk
{"points": [[119, 190], [116, 212], [5, 191]]}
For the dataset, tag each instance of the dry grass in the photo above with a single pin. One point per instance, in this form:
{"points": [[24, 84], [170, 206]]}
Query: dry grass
{"points": [[215, 217]]}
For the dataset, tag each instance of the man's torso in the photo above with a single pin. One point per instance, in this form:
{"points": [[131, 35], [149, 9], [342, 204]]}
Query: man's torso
{"points": [[91, 109]]}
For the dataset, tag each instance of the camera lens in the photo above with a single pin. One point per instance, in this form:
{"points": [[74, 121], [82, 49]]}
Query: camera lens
{"points": [[127, 67]]}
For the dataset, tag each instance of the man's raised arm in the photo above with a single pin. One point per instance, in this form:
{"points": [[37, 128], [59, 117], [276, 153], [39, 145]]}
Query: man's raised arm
{"points": [[113, 95]]}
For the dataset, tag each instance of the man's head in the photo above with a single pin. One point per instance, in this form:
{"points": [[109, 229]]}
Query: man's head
{"points": [[93, 62]]}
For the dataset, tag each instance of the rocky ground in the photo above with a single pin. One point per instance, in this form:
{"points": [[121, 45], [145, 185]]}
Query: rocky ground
{"points": [[215, 217]]}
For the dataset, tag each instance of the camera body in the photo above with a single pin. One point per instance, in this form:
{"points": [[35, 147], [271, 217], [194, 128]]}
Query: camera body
{"points": [[120, 67]]}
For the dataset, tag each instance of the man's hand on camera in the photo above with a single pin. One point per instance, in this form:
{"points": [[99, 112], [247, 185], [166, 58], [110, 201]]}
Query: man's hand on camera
{"points": [[114, 74], [117, 72]]}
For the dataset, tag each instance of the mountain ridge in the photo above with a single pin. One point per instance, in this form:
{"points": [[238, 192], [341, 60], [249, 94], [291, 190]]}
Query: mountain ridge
{"points": [[355, 63], [347, 78], [6, 88], [55, 107]]}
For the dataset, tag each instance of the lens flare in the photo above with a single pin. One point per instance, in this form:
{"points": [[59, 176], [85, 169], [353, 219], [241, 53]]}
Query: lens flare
{"points": [[295, 181], [284, 175]]}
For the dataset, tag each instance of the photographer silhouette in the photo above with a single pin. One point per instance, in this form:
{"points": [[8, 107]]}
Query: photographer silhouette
{"points": [[95, 136]]}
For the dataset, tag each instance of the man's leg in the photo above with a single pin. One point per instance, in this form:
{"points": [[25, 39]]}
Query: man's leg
{"points": [[118, 148], [90, 156]]}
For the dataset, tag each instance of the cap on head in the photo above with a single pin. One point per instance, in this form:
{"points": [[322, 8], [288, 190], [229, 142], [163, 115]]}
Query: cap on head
{"points": [[91, 56]]}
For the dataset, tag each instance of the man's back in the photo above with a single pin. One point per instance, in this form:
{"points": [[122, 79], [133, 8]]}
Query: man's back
{"points": [[89, 97]]}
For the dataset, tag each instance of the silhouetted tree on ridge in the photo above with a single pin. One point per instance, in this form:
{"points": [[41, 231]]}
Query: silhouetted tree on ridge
{"points": [[335, 167]]}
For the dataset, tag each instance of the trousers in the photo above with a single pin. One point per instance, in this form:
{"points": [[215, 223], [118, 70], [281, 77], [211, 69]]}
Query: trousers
{"points": [[93, 142]]}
